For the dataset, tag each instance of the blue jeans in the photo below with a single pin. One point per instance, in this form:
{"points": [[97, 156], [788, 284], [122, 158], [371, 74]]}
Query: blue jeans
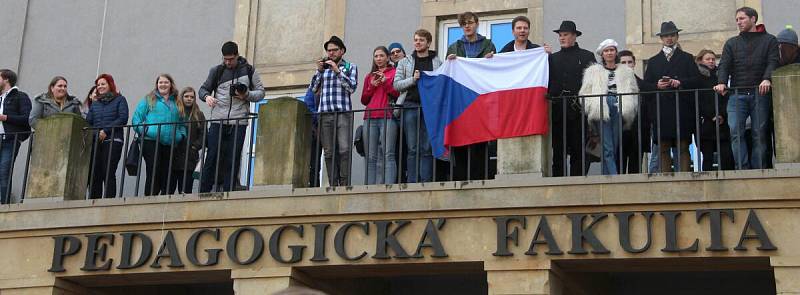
{"points": [[228, 142], [610, 136], [418, 143], [758, 108], [381, 138], [654, 166], [8, 152]]}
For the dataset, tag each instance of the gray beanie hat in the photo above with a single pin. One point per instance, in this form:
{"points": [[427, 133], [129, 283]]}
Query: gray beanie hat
{"points": [[787, 36]]}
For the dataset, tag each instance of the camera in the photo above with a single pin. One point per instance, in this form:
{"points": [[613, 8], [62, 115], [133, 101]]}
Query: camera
{"points": [[325, 66], [237, 88]]}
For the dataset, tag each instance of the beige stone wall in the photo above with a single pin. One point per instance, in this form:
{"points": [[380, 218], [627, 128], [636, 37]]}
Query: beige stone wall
{"points": [[705, 25], [468, 235]]}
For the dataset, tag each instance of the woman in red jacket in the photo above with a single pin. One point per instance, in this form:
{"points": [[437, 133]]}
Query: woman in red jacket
{"points": [[380, 130]]}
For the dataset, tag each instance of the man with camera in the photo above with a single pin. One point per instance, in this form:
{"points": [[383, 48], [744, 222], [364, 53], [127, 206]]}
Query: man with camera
{"points": [[335, 80], [234, 85]]}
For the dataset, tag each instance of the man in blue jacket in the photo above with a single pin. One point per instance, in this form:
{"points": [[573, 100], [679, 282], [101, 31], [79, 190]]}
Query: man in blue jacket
{"points": [[15, 107]]}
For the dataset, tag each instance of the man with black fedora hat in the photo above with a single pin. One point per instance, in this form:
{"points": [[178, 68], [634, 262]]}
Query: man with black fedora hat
{"points": [[336, 79], [566, 76], [673, 69]]}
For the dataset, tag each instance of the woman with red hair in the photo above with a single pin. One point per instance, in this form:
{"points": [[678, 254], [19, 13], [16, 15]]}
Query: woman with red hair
{"points": [[108, 113]]}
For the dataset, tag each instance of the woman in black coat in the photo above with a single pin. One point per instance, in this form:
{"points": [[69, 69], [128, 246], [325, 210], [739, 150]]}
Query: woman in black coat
{"points": [[712, 114], [677, 73], [187, 153]]}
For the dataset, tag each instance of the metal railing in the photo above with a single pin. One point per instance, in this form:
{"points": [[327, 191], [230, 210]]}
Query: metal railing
{"points": [[11, 146], [686, 114], [221, 141]]}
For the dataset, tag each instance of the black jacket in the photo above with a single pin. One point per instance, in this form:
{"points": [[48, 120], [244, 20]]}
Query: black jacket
{"points": [[17, 106], [566, 69], [510, 46], [682, 68], [710, 106], [748, 58], [194, 134]]}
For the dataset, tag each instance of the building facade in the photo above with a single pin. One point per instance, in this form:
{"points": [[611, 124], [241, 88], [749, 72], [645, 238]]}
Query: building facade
{"points": [[732, 232]]}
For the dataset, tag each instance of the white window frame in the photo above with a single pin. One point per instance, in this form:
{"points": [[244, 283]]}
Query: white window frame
{"points": [[484, 25]]}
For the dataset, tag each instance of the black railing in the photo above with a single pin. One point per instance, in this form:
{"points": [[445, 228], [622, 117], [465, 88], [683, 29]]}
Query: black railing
{"points": [[669, 122], [396, 148], [12, 149], [168, 157]]}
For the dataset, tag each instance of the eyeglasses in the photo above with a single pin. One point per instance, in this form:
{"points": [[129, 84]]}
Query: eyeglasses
{"points": [[396, 51], [333, 49]]}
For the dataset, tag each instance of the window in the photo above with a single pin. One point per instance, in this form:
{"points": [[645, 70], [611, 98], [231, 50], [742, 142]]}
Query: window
{"points": [[497, 28]]}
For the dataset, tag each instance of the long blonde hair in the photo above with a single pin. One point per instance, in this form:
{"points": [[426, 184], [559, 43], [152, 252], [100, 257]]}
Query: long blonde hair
{"points": [[173, 91], [194, 113]]}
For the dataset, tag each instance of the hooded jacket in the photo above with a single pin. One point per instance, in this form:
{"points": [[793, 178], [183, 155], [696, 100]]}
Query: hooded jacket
{"points": [[484, 47], [595, 82], [163, 112], [45, 106], [376, 98], [748, 58], [404, 76], [226, 106]]}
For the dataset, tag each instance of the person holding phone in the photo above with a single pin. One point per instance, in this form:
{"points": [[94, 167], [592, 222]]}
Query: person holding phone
{"points": [[673, 69], [380, 130]]}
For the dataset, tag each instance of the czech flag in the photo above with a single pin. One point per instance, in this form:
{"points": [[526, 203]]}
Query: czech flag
{"points": [[472, 100]]}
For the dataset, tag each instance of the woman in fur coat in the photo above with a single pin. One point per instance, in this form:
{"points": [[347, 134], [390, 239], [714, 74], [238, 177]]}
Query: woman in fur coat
{"points": [[616, 112]]}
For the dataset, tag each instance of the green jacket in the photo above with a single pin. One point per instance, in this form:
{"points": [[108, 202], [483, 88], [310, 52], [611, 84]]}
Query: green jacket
{"points": [[457, 48]]}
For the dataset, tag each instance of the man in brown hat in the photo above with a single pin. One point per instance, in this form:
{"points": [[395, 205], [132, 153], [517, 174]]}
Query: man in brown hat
{"points": [[673, 69], [566, 76], [336, 79]]}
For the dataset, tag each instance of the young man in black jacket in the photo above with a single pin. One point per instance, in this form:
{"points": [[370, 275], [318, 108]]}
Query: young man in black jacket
{"points": [[748, 61], [566, 76], [15, 107]]}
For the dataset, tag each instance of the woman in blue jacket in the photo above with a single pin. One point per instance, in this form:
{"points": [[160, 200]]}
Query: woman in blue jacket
{"points": [[156, 121], [109, 113]]}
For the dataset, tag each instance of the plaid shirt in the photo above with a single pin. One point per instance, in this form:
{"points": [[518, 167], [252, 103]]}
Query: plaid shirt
{"points": [[336, 88]]}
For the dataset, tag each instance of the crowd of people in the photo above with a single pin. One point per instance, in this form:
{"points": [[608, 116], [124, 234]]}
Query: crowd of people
{"points": [[170, 130], [601, 111]]}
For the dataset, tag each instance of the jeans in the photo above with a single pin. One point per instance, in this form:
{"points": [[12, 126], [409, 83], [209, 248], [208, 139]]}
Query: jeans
{"points": [[381, 138], [336, 133], [758, 108], [8, 153], [227, 141], [610, 136], [418, 143], [105, 161]]}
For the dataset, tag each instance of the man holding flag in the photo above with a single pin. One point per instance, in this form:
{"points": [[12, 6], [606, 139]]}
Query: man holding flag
{"points": [[468, 101], [470, 160]]}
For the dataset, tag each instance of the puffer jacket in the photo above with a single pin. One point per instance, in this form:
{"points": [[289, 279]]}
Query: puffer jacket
{"points": [[161, 112], [45, 106], [404, 75], [109, 111], [749, 58]]}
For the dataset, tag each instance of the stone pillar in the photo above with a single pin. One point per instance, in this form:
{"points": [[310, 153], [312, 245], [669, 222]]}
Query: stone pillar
{"points": [[264, 281], [787, 270], [59, 166], [522, 278], [526, 156], [785, 107], [283, 152]]}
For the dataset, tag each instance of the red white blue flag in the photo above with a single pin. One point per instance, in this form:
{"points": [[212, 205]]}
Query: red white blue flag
{"points": [[472, 100]]}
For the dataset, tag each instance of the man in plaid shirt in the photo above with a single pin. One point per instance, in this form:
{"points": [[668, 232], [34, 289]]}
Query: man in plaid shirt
{"points": [[336, 79]]}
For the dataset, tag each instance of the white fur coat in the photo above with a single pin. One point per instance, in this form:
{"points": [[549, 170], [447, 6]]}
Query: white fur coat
{"points": [[595, 81]]}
